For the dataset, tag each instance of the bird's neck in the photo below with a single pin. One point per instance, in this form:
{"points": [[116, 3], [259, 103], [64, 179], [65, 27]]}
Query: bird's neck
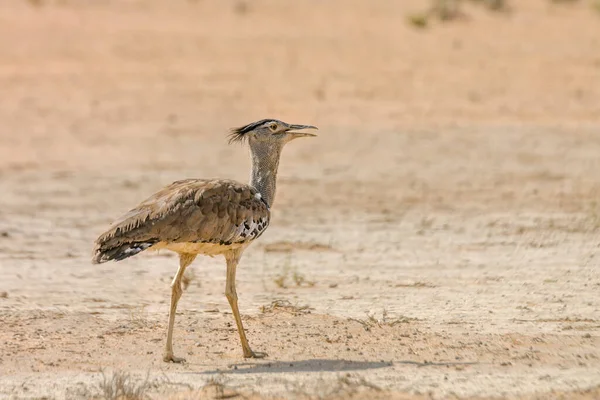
{"points": [[265, 161]]}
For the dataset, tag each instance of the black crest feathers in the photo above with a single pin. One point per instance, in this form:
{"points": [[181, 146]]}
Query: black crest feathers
{"points": [[238, 135]]}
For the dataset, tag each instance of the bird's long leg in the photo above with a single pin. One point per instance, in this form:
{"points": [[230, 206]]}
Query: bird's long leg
{"points": [[176, 291], [232, 259]]}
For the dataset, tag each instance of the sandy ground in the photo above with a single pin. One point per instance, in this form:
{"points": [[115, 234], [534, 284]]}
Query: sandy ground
{"points": [[438, 240]]}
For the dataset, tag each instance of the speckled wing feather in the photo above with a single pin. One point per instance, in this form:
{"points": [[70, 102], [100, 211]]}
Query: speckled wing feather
{"points": [[221, 212]]}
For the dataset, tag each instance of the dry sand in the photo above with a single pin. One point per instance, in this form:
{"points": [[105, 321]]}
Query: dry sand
{"points": [[439, 239]]}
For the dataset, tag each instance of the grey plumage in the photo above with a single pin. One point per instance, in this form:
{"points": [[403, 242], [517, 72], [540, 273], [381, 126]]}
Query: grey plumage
{"points": [[206, 216]]}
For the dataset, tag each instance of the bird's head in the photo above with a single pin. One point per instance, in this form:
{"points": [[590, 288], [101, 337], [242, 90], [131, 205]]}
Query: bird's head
{"points": [[269, 132]]}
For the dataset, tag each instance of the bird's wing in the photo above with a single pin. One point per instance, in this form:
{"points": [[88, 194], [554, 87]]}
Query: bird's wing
{"points": [[192, 210]]}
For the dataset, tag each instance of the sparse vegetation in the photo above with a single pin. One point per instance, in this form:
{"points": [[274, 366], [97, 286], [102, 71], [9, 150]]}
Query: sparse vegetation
{"points": [[35, 3], [594, 208], [285, 306], [280, 281], [291, 275], [121, 386], [371, 321], [425, 224], [189, 276], [215, 389], [300, 280], [417, 284], [351, 384], [138, 318], [347, 386], [449, 10], [418, 20]]}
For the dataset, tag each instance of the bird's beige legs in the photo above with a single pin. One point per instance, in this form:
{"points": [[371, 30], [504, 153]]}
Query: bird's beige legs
{"points": [[232, 259], [176, 291]]}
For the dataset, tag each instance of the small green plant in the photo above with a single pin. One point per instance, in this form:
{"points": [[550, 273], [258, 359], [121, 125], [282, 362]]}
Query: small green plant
{"points": [[418, 20]]}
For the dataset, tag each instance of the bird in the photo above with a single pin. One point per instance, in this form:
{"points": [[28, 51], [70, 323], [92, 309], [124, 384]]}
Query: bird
{"points": [[209, 217]]}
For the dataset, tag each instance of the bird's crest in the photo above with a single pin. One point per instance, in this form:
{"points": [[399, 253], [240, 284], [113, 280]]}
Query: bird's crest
{"points": [[238, 135]]}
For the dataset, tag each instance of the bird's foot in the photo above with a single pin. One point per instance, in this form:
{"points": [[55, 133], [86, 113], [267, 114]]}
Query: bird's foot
{"points": [[171, 358], [254, 354]]}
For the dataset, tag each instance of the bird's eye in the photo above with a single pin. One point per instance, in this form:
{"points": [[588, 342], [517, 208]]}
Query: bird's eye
{"points": [[273, 127]]}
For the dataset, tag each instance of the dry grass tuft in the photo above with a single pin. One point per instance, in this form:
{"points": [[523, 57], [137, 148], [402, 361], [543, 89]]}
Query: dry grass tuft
{"points": [[417, 284], [121, 386], [188, 277], [371, 321], [290, 274], [285, 306], [35, 3], [300, 280], [450, 10], [348, 386], [138, 317], [216, 389]]}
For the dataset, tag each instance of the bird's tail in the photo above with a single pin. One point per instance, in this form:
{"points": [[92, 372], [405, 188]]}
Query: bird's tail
{"points": [[104, 252]]}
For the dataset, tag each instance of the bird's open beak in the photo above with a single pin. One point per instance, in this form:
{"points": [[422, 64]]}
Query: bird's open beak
{"points": [[292, 129]]}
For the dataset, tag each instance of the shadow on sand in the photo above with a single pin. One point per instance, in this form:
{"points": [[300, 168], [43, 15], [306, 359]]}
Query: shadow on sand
{"points": [[301, 366], [317, 365]]}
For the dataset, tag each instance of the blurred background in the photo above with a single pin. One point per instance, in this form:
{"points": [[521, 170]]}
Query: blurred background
{"points": [[454, 184], [103, 73]]}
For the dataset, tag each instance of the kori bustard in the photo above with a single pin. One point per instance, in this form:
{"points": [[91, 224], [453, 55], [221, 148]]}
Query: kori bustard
{"points": [[206, 216]]}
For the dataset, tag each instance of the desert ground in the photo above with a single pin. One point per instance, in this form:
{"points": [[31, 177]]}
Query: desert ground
{"points": [[439, 238]]}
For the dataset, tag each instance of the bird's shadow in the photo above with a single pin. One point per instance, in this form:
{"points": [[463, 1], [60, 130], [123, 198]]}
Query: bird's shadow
{"points": [[316, 365], [313, 365]]}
